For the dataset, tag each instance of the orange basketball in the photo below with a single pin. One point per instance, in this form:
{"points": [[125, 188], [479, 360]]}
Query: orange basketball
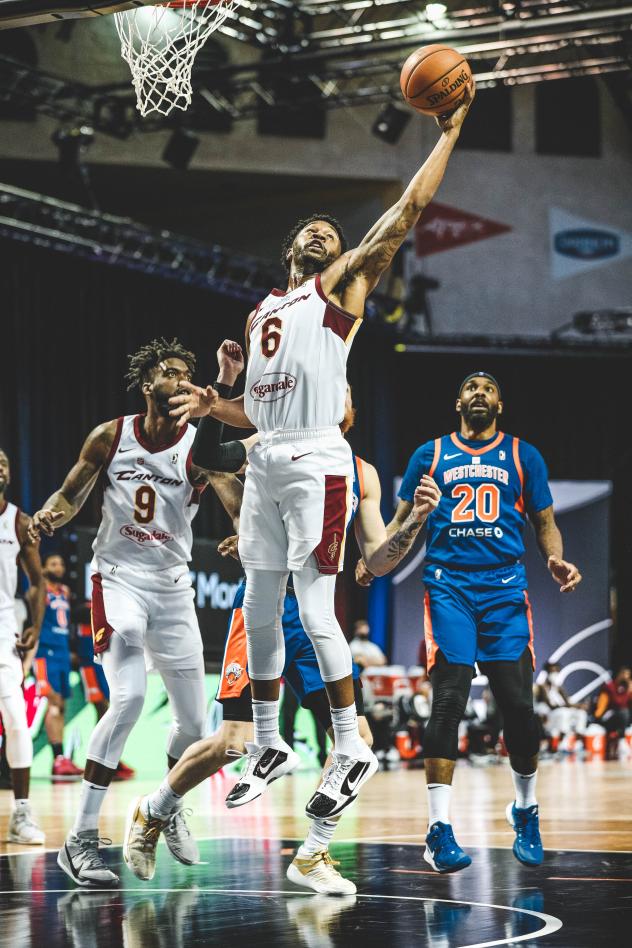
{"points": [[433, 79]]}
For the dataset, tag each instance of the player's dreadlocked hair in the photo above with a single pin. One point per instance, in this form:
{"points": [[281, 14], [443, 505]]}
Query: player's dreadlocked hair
{"points": [[149, 356], [286, 246]]}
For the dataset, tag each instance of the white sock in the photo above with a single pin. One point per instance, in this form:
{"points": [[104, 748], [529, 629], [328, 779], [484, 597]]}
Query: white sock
{"points": [[525, 789], [162, 802], [20, 804], [318, 838], [90, 803], [347, 738], [438, 803], [265, 715]]}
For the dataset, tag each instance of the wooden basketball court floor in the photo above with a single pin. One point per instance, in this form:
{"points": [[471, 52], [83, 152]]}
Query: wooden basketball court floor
{"points": [[581, 897]]}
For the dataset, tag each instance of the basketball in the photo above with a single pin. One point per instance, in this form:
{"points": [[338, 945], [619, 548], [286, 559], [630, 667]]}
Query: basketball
{"points": [[433, 79]]}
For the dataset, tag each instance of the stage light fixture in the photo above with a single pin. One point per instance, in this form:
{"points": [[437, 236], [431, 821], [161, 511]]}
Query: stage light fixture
{"points": [[180, 149], [390, 124]]}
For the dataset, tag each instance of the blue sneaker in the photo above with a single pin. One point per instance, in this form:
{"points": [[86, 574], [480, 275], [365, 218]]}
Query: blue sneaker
{"points": [[442, 851], [527, 847]]}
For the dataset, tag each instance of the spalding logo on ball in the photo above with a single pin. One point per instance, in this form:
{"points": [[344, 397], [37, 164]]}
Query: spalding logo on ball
{"points": [[434, 78]]}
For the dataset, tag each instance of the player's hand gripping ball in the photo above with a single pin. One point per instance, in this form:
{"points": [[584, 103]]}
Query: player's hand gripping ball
{"points": [[435, 79]]}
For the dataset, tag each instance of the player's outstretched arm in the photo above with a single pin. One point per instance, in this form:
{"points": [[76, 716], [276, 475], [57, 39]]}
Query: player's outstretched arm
{"points": [[365, 264], [549, 541], [66, 502], [200, 402], [380, 552]]}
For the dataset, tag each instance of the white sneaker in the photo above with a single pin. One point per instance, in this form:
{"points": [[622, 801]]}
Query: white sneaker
{"points": [[179, 839], [341, 784], [318, 872], [80, 859], [263, 766], [141, 838], [24, 829]]}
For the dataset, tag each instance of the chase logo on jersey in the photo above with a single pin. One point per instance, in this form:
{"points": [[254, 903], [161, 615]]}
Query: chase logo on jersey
{"points": [[144, 537], [272, 386]]}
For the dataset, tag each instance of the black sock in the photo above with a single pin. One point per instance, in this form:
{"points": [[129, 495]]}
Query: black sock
{"points": [[58, 750]]}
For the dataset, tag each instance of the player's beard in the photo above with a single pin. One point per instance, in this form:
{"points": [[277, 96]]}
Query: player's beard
{"points": [[163, 407], [308, 264], [479, 420]]}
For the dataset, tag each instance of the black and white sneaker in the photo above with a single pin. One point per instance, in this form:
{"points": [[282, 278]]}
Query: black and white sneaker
{"points": [[80, 859], [341, 784], [263, 766]]}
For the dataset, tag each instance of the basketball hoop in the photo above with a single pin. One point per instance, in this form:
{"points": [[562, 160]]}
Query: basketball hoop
{"points": [[160, 44]]}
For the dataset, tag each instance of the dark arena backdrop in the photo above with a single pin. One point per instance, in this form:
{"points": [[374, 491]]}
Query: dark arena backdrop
{"points": [[117, 228]]}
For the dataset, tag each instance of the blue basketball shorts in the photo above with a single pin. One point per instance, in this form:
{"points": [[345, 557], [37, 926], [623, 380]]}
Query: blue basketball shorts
{"points": [[482, 616]]}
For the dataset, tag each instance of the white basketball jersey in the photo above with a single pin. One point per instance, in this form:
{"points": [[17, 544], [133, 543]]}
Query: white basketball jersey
{"points": [[297, 368], [148, 501], [9, 552]]}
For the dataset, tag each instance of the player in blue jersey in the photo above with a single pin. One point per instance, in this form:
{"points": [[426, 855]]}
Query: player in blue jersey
{"points": [[52, 663], [476, 601], [312, 867]]}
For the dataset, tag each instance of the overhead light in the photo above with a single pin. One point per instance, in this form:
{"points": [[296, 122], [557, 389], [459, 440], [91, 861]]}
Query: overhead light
{"points": [[72, 143], [180, 149], [390, 124], [436, 12]]}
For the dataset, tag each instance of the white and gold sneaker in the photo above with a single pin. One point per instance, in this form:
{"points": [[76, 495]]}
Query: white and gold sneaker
{"points": [[318, 872], [141, 838]]}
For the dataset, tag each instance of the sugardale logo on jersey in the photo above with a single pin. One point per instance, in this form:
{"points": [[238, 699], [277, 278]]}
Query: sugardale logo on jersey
{"points": [[144, 537], [435, 97], [587, 244], [272, 386]]}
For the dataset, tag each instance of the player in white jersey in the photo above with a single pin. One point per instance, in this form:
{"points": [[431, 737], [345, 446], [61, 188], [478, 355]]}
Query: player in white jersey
{"points": [[14, 644], [142, 598], [297, 492]]}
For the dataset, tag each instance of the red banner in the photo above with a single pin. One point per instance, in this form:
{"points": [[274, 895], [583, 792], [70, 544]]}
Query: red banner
{"points": [[443, 227]]}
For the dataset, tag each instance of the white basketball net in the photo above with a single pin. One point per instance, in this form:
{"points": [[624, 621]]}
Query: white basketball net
{"points": [[160, 44]]}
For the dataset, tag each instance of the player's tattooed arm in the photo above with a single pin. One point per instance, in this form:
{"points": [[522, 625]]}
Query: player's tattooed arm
{"points": [[230, 492], [356, 273], [36, 594], [382, 552], [66, 502], [550, 543]]}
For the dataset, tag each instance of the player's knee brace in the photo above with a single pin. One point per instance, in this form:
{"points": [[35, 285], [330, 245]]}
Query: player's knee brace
{"points": [[263, 609], [125, 671], [315, 594], [18, 739], [450, 690], [512, 686]]}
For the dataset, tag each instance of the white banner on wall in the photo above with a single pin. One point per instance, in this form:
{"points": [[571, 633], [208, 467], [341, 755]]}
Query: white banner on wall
{"points": [[577, 245]]}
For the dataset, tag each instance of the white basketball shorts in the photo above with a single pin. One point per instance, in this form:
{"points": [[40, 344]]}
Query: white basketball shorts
{"points": [[149, 609], [297, 500]]}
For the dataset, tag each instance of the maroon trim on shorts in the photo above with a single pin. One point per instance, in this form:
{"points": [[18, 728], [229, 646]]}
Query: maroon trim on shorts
{"points": [[155, 448], [115, 443], [102, 631], [329, 550]]}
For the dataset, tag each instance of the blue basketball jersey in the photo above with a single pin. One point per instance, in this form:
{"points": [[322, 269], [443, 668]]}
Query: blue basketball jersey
{"points": [[488, 488], [56, 622], [358, 487]]}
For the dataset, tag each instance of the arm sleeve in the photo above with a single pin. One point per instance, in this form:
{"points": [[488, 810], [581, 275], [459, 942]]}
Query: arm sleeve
{"points": [[208, 451], [418, 465], [537, 493]]}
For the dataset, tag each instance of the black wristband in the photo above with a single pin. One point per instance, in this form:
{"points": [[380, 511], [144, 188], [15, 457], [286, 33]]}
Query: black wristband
{"points": [[223, 390]]}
